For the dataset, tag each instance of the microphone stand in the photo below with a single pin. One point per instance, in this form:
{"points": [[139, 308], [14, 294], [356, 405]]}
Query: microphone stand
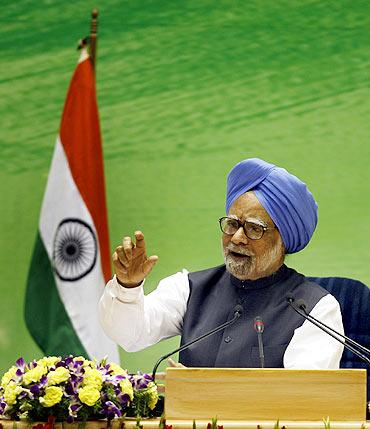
{"points": [[259, 327], [348, 340], [351, 345], [237, 313], [260, 349]]}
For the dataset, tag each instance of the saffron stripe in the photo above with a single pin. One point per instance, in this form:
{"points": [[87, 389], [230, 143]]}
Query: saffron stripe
{"points": [[80, 137]]}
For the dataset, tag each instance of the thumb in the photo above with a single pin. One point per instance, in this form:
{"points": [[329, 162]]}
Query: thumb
{"points": [[149, 264]]}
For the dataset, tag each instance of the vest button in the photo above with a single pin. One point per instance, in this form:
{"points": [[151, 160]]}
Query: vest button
{"points": [[228, 339]]}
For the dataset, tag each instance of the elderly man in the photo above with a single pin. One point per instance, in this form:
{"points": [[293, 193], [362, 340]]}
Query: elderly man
{"points": [[269, 213]]}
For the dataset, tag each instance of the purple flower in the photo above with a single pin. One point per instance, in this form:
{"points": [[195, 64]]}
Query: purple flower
{"points": [[68, 360], [20, 363], [73, 409], [32, 364], [70, 389], [114, 379], [76, 379], [22, 395], [75, 368], [112, 403], [73, 384], [118, 377], [36, 388], [140, 381], [123, 398], [110, 410]]}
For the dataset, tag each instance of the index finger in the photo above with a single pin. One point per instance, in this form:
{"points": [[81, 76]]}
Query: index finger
{"points": [[140, 242], [127, 247]]}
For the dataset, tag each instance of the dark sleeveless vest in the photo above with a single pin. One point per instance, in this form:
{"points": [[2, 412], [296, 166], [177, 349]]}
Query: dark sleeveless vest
{"points": [[214, 293]]}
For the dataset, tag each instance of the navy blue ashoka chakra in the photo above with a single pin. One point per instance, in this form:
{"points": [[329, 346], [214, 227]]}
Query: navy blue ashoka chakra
{"points": [[74, 250]]}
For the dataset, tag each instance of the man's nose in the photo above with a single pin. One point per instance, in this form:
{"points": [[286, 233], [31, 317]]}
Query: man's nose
{"points": [[239, 237]]}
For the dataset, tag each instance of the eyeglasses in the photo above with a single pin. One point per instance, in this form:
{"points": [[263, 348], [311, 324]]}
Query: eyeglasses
{"points": [[252, 230]]}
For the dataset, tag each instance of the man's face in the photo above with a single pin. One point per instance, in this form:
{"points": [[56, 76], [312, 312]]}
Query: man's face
{"points": [[249, 259]]}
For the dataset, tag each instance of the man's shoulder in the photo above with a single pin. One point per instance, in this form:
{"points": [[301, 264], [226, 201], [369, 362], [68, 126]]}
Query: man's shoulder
{"points": [[310, 282], [306, 281], [307, 288]]}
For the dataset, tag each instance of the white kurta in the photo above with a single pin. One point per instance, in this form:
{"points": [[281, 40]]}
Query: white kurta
{"points": [[136, 321]]}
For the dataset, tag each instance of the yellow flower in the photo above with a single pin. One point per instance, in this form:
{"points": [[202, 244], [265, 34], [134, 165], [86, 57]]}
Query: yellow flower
{"points": [[52, 396], [34, 375], [153, 395], [11, 392], [58, 376], [48, 361], [93, 378], [117, 370], [8, 376], [79, 358], [126, 388], [89, 395]]}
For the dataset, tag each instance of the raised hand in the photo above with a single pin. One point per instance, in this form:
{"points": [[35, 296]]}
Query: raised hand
{"points": [[130, 261]]}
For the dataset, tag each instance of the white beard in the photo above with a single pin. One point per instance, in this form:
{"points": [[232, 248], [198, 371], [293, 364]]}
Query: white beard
{"points": [[249, 266]]}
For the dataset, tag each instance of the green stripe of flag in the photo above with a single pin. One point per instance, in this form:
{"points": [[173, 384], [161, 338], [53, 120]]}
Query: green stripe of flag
{"points": [[46, 318]]}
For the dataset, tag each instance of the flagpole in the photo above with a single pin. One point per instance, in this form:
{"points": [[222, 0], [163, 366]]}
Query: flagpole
{"points": [[93, 36]]}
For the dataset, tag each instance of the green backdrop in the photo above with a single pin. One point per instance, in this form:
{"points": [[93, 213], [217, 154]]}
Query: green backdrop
{"points": [[186, 89]]}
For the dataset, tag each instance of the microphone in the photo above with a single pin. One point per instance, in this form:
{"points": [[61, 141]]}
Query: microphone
{"points": [[259, 327], [299, 307], [238, 310]]}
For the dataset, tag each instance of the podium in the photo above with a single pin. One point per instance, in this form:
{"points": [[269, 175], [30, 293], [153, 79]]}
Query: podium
{"points": [[250, 399], [234, 394]]}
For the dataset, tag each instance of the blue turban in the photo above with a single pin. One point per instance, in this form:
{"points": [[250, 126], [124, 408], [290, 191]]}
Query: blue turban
{"points": [[286, 199]]}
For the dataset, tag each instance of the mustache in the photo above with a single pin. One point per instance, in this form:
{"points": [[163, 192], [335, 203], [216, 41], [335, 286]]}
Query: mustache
{"points": [[236, 249]]}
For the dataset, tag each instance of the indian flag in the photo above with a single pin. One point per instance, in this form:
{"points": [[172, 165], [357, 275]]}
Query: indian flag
{"points": [[71, 259]]}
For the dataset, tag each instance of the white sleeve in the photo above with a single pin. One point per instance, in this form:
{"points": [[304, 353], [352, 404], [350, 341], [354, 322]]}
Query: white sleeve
{"points": [[310, 347], [135, 321]]}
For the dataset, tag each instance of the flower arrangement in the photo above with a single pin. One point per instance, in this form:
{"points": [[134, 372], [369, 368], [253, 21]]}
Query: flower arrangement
{"points": [[74, 388]]}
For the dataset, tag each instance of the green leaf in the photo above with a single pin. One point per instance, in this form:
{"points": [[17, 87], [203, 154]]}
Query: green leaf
{"points": [[138, 424], [81, 425], [162, 421], [214, 423], [103, 362], [326, 422]]}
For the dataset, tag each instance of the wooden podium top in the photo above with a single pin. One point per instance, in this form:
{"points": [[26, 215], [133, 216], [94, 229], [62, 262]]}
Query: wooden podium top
{"points": [[130, 423], [265, 394]]}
